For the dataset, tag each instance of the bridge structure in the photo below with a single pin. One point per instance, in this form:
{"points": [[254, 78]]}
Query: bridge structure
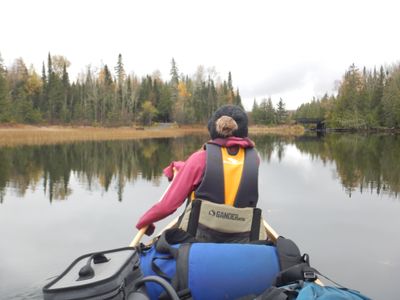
{"points": [[319, 122]]}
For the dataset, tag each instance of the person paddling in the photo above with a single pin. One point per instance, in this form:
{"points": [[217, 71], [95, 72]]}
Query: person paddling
{"points": [[224, 172]]}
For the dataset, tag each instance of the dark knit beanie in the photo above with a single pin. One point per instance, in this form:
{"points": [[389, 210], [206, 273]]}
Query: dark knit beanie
{"points": [[228, 120]]}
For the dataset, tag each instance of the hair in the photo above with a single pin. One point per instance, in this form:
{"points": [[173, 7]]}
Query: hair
{"points": [[234, 123], [225, 126]]}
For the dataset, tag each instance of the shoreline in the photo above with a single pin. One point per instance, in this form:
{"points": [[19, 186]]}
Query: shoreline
{"points": [[20, 134]]}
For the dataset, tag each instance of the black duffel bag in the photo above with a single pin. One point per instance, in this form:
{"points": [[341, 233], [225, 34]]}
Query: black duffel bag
{"points": [[109, 274]]}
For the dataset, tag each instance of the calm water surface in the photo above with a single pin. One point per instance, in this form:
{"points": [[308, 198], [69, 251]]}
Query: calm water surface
{"points": [[337, 196]]}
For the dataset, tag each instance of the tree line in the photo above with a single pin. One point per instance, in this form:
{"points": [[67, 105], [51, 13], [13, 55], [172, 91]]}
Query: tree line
{"points": [[266, 114], [109, 97], [366, 99]]}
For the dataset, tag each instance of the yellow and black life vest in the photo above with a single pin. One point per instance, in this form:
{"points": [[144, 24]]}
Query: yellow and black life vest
{"points": [[230, 178], [223, 207]]}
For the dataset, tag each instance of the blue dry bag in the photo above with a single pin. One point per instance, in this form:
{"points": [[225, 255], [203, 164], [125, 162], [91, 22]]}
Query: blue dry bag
{"points": [[213, 271]]}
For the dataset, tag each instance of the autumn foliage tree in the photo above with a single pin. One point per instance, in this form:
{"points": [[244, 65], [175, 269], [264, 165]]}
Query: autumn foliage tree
{"points": [[103, 97]]}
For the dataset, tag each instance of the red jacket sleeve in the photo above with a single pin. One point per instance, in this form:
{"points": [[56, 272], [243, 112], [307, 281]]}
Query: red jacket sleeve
{"points": [[185, 181]]}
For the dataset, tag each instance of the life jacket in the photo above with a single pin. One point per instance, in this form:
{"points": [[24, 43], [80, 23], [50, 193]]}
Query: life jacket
{"points": [[223, 207], [230, 178]]}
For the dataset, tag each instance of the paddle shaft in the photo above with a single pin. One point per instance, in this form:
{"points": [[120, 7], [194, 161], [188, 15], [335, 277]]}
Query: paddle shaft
{"points": [[143, 230]]}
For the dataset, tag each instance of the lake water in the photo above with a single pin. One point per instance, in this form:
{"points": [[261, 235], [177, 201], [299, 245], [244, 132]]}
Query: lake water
{"points": [[337, 196]]}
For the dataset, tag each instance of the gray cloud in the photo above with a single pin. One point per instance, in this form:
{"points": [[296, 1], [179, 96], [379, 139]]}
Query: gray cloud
{"points": [[293, 78]]}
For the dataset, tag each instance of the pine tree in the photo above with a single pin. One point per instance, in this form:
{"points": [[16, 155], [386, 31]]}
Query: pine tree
{"points": [[391, 99], [281, 113], [120, 72], [55, 94], [66, 105], [174, 73], [256, 113], [231, 98], [270, 113], [50, 89], [349, 110], [43, 104], [5, 105], [177, 109], [211, 98], [238, 100]]}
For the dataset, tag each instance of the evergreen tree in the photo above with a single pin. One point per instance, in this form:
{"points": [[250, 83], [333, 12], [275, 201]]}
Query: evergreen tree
{"points": [[174, 73], [212, 98], [230, 92], [5, 105], [349, 112], [176, 99], [256, 113], [66, 105], [281, 113], [120, 72], [43, 104], [376, 103], [106, 100], [391, 99], [238, 100], [270, 113]]}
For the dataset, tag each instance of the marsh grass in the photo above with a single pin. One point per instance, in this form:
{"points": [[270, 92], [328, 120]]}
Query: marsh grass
{"points": [[287, 130], [31, 135], [36, 135]]}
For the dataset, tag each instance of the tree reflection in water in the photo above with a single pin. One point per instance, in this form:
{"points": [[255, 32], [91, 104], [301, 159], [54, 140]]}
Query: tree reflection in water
{"points": [[367, 162]]}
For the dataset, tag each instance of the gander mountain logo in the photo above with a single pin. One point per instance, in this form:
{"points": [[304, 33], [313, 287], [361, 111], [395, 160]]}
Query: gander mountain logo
{"points": [[225, 215]]}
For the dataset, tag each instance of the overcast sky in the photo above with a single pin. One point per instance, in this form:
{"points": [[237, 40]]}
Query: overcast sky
{"points": [[295, 50]]}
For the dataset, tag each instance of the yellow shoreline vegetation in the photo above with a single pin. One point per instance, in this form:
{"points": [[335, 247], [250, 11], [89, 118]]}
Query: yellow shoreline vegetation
{"points": [[41, 135]]}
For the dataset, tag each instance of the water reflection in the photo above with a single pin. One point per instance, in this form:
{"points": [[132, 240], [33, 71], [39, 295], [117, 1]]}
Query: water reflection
{"points": [[365, 162], [105, 162], [370, 163]]}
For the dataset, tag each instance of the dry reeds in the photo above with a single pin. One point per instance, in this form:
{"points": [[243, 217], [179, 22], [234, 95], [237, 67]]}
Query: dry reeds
{"points": [[287, 130], [42, 135], [31, 135]]}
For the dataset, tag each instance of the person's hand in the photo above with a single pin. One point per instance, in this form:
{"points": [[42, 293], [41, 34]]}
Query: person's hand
{"points": [[150, 229], [172, 169]]}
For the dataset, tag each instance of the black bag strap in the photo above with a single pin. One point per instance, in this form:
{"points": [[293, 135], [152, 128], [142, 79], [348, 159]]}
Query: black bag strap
{"points": [[180, 280], [156, 269], [296, 273], [171, 237], [181, 255]]}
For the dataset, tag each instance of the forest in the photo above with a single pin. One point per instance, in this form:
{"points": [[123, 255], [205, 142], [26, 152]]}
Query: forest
{"points": [[109, 96], [367, 99]]}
